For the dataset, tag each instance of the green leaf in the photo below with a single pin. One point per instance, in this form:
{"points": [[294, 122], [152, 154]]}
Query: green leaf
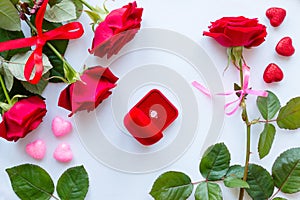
{"points": [[172, 186], [279, 198], [9, 17], [14, 2], [6, 35], [233, 178], [289, 115], [266, 140], [208, 191], [8, 78], [268, 106], [286, 171], [260, 182], [18, 89], [73, 184], [61, 12], [236, 171], [31, 182], [37, 88], [79, 7], [234, 182], [17, 65], [215, 162], [53, 2]]}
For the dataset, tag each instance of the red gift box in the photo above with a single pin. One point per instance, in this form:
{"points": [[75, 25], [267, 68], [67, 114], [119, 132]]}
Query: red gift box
{"points": [[149, 117]]}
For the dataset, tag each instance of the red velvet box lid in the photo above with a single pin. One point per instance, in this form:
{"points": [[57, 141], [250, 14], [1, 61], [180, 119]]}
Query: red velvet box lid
{"points": [[162, 110], [149, 117]]}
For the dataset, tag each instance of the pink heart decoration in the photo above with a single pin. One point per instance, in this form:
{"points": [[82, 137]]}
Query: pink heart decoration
{"points": [[63, 153], [36, 149], [61, 127]]}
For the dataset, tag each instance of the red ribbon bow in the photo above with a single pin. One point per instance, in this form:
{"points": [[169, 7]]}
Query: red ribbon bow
{"points": [[71, 30]]}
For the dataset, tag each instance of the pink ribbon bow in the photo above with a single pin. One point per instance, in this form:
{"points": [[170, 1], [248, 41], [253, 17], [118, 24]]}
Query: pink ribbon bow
{"points": [[242, 92], [71, 30]]}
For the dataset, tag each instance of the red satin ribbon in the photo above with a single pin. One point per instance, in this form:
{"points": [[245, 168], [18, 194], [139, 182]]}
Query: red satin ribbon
{"points": [[71, 30]]}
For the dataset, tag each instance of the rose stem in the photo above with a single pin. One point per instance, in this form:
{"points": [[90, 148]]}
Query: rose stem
{"points": [[87, 5], [4, 90], [66, 64], [248, 126]]}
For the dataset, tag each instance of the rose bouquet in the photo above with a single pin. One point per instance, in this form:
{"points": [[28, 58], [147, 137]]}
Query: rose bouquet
{"points": [[25, 73]]}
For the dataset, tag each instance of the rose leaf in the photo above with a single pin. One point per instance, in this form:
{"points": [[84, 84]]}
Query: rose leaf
{"points": [[289, 115], [79, 7], [61, 12], [286, 171], [17, 65], [37, 88], [208, 191], [9, 18], [8, 78], [31, 182], [268, 106], [234, 182], [260, 182], [266, 140], [236, 171], [215, 162], [172, 186], [73, 184]]}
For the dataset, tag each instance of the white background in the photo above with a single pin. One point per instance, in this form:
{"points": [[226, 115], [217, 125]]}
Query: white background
{"points": [[190, 18]]}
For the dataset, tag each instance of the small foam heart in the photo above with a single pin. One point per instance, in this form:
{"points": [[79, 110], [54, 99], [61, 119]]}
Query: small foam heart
{"points": [[63, 153], [285, 47], [36, 149], [272, 73], [61, 127], [276, 15]]}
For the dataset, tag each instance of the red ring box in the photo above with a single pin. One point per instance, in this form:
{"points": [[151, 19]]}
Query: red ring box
{"points": [[150, 117]]}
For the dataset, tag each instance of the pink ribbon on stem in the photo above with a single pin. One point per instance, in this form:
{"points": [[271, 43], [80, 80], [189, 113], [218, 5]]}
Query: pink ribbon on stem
{"points": [[242, 92], [201, 88]]}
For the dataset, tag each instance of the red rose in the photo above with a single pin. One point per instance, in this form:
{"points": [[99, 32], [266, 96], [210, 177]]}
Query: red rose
{"points": [[23, 117], [237, 31], [118, 28], [88, 93]]}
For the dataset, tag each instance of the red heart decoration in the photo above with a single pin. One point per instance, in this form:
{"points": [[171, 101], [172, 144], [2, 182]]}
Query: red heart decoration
{"points": [[273, 73], [285, 47], [276, 15]]}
